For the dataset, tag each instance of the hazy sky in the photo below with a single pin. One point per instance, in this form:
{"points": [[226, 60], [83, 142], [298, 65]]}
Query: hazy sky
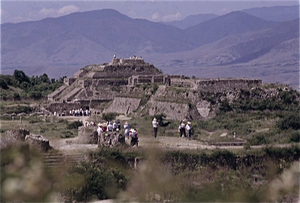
{"points": [[154, 10]]}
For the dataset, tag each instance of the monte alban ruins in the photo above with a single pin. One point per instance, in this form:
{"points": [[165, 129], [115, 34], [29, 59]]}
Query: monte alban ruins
{"points": [[132, 85]]}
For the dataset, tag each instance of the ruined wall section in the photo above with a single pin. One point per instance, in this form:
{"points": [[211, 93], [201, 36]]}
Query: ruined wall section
{"points": [[144, 79], [61, 107], [123, 105], [172, 110], [221, 85], [54, 95]]}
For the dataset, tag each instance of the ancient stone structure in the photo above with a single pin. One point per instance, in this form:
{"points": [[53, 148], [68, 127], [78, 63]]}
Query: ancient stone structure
{"points": [[87, 135], [21, 135], [17, 134], [38, 142], [95, 86]]}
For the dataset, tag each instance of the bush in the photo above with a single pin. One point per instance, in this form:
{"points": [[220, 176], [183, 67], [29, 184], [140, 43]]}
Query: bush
{"points": [[291, 121], [74, 125], [258, 139], [67, 134], [109, 116], [295, 136], [160, 119]]}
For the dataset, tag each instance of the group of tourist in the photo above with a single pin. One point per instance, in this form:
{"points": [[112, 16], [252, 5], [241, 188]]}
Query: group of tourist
{"points": [[182, 129], [115, 126], [104, 130], [74, 112], [185, 127], [79, 112]]}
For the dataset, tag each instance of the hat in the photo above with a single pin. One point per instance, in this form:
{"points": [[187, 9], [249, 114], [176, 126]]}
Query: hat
{"points": [[189, 123], [154, 119], [132, 130], [99, 124]]}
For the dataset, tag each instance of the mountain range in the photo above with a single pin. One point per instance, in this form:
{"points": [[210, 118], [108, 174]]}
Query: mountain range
{"points": [[238, 44]]}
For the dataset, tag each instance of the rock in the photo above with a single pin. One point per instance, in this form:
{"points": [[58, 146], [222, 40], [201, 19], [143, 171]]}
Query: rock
{"points": [[18, 134], [38, 142]]}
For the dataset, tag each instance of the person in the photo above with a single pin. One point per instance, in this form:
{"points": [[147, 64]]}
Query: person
{"points": [[154, 124], [182, 129], [115, 126], [234, 135], [110, 127], [99, 131], [127, 129], [134, 137], [119, 125], [188, 128]]}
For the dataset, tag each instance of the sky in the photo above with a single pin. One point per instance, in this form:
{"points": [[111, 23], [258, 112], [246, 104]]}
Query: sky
{"points": [[15, 11]]}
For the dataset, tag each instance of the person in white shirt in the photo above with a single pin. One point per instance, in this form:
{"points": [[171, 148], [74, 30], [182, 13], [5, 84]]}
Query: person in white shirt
{"points": [[155, 124], [99, 131], [109, 127], [182, 129], [127, 128], [188, 128]]}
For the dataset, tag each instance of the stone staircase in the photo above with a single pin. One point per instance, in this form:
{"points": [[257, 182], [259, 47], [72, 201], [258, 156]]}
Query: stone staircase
{"points": [[59, 159], [70, 95]]}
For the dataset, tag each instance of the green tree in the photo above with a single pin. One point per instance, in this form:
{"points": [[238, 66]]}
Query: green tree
{"points": [[21, 76]]}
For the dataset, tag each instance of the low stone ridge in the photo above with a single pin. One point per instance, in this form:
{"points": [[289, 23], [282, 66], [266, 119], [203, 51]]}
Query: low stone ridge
{"points": [[123, 105], [87, 135], [38, 142], [13, 137], [17, 134]]}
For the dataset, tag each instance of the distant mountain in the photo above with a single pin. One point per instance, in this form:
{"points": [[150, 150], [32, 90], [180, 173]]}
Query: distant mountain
{"points": [[271, 54], [192, 20], [233, 23], [61, 46], [276, 13]]}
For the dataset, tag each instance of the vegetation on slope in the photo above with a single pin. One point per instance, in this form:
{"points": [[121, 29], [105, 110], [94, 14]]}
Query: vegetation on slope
{"points": [[19, 86]]}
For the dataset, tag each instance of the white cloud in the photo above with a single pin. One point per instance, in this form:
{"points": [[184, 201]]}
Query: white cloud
{"points": [[166, 18], [46, 11], [67, 9], [155, 16], [171, 17]]}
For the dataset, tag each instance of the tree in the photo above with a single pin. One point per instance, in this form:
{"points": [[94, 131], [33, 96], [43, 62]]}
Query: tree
{"points": [[21, 76]]}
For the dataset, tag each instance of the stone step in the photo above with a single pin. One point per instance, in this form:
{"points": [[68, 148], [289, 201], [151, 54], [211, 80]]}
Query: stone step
{"points": [[58, 159]]}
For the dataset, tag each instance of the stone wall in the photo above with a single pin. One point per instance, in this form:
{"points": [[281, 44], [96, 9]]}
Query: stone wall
{"points": [[16, 135], [226, 84], [144, 79], [54, 95], [173, 111], [182, 82], [87, 135], [123, 105], [69, 81], [38, 142]]}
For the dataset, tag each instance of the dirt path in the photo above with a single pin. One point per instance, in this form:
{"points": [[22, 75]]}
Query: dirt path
{"points": [[70, 145]]}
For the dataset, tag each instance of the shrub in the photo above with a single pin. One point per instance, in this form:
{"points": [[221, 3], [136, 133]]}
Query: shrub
{"points": [[74, 125], [109, 116], [160, 119], [291, 121], [295, 136]]}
